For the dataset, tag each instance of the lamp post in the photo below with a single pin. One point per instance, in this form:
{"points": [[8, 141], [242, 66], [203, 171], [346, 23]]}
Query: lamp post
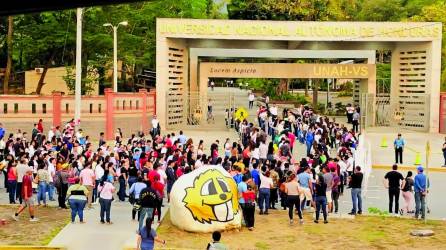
{"points": [[78, 80], [115, 52]]}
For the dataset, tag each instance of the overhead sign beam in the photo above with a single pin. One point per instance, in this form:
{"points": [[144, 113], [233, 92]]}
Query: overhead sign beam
{"points": [[30, 6]]}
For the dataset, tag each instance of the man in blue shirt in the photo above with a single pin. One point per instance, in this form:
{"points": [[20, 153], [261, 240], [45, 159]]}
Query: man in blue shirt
{"points": [[255, 174], [420, 188], [398, 144], [182, 138], [306, 186]]}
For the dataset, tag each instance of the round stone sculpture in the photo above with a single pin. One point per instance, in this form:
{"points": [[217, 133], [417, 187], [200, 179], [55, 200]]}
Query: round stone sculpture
{"points": [[205, 200]]}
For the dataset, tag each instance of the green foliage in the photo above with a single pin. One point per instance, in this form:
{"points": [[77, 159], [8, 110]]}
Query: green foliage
{"points": [[87, 84], [382, 10], [377, 211], [436, 13]]}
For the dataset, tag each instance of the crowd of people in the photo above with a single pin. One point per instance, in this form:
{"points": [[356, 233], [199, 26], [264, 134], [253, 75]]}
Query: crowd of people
{"points": [[142, 169]]}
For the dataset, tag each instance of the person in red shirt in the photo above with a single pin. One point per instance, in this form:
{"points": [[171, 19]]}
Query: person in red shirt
{"points": [[27, 194], [154, 173], [159, 188], [40, 126]]}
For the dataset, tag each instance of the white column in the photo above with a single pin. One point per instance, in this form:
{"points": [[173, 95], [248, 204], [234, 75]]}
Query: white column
{"points": [[78, 83], [115, 59]]}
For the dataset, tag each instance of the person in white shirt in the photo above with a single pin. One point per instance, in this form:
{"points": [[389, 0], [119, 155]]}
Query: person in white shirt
{"points": [[251, 99], [266, 183], [273, 111], [263, 151], [155, 124], [228, 148], [162, 172], [98, 173], [50, 134], [51, 173]]}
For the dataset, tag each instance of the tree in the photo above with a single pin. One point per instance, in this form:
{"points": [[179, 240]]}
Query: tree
{"points": [[9, 55], [382, 10], [436, 13]]}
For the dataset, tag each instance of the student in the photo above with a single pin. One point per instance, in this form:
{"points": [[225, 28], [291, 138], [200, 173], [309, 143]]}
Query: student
{"points": [[356, 187], [147, 237], [407, 194], [247, 202], [27, 194], [77, 197], [321, 199], [106, 190], [292, 191], [216, 244]]}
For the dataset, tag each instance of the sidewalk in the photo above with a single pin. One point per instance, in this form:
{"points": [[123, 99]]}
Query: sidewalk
{"points": [[94, 235]]}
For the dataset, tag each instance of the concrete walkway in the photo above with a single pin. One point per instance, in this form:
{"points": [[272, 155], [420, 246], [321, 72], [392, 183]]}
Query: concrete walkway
{"points": [[94, 235]]}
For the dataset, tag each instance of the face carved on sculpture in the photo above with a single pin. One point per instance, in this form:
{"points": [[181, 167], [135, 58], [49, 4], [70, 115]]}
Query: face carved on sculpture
{"points": [[213, 197]]}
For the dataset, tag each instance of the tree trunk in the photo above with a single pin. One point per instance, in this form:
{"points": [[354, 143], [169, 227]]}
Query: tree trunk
{"points": [[283, 86], [315, 92], [9, 52], [42, 77]]}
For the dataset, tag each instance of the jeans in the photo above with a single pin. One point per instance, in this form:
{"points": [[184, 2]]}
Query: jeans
{"points": [[309, 145], [355, 125], [77, 208], [18, 194], [50, 190], [121, 192], [105, 209], [95, 191], [420, 204], [248, 214], [264, 194], [142, 214], [12, 185], [321, 203], [293, 201], [394, 193], [357, 200], [41, 192], [399, 155]]}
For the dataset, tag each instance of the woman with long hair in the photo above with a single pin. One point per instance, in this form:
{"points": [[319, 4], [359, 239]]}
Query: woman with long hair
{"points": [[407, 194], [321, 198], [12, 181], [292, 191], [147, 237], [106, 190]]}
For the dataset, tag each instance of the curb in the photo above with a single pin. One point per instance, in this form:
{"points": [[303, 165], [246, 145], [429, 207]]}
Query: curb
{"points": [[413, 168], [31, 248]]}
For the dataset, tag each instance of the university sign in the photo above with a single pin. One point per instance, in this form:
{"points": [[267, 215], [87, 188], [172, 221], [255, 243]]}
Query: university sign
{"points": [[343, 30], [287, 70]]}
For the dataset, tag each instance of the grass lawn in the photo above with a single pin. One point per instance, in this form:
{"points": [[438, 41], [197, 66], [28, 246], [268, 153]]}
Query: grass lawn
{"points": [[23, 232], [274, 232]]}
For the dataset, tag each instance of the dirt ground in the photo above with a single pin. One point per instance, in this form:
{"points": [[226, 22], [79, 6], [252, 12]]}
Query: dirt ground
{"points": [[23, 232], [274, 232]]}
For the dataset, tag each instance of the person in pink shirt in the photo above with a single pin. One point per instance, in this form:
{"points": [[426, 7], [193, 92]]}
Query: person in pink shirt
{"points": [[88, 179], [106, 190], [292, 139]]}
